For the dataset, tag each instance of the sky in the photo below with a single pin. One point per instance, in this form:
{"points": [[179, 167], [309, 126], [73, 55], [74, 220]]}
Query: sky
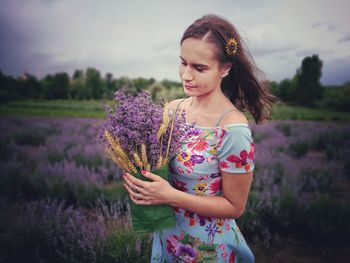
{"points": [[142, 38]]}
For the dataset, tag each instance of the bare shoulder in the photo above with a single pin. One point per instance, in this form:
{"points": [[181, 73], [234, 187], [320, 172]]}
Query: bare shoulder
{"points": [[173, 104], [233, 117]]}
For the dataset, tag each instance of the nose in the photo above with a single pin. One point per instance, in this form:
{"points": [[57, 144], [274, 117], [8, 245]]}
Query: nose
{"points": [[186, 74]]}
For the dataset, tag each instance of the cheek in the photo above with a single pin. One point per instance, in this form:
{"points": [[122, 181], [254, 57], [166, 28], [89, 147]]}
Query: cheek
{"points": [[180, 71]]}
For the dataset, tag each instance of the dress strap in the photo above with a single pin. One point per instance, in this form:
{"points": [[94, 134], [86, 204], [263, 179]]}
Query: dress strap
{"points": [[224, 114], [178, 105]]}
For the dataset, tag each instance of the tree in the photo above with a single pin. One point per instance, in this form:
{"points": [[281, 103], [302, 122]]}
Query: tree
{"points": [[94, 84], [309, 88], [158, 92], [8, 88], [29, 86], [287, 90], [110, 84], [125, 83], [142, 83], [56, 86], [77, 85]]}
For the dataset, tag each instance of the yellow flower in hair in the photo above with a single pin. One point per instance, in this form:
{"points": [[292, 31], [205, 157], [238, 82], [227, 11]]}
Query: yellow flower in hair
{"points": [[231, 46]]}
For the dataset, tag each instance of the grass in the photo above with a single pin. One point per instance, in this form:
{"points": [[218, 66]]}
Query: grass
{"points": [[54, 108], [95, 109], [284, 112]]}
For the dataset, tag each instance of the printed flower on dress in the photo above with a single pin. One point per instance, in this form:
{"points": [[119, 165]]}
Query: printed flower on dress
{"points": [[186, 252], [223, 165], [212, 229], [197, 159], [183, 157], [190, 249], [215, 186], [203, 177], [200, 188], [172, 244], [179, 185], [232, 257], [194, 218], [243, 160], [199, 145]]}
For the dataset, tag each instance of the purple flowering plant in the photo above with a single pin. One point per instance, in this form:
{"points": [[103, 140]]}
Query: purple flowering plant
{"points": [[143, 135]]}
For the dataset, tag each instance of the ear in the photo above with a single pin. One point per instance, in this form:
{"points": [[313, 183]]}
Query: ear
{"points": [[225, 69]]}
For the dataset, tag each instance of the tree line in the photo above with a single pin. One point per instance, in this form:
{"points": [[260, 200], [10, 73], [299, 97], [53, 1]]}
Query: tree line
{"points": [[303, 89]]}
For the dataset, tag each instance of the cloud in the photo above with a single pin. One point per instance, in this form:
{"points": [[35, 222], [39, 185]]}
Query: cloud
{"points": [[141, 38], [317, 51], [336, 71], [345, 38], [328, 25], [268, 51], [318, 24]]}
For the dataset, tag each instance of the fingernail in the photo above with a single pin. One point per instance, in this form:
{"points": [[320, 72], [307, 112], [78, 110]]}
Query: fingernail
{"points": [[143, 172]]}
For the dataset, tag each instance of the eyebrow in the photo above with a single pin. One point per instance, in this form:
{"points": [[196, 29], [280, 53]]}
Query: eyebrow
{"points": [[196, 64]]}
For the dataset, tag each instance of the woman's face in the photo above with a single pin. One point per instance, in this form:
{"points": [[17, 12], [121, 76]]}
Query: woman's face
{"points": [[199, 70]]}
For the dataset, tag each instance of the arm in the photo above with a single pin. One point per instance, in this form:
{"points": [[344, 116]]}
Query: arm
{"points": [[230, 205]]}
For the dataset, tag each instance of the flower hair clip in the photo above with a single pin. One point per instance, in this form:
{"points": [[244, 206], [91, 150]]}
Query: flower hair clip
{"points": [[231, 46]]}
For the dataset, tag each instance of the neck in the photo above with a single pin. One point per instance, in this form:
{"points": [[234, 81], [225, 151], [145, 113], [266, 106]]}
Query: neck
{"points": [[210, 102]]}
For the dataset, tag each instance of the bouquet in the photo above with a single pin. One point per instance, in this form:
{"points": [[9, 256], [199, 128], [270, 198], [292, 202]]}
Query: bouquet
{"points": [[142, 135]]}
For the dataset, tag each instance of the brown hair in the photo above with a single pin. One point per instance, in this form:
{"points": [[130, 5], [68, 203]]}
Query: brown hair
{"points": [[245, 85]]}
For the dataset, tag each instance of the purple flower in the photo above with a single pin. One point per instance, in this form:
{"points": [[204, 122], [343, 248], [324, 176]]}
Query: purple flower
{"points": [[186, 251], [193, 132], [184, 155], [136, 120], [197, 159], [212, 229]]}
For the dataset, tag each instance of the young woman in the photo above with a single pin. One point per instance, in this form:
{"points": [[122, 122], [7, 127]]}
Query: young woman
{"points": [[211, 176]]}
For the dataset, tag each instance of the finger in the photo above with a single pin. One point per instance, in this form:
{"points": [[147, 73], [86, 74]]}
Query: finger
{"points": [[133, 197], [151, 176], [132, 185], [130, 191], [136, 181], [136, 195], [129, 184], [139, 201], [136, 189]]}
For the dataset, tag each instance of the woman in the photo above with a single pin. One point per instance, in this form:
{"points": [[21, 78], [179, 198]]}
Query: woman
{"points": [[211, 176]]}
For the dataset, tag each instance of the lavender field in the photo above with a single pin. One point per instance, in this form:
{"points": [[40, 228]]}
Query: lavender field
{"points": [[62, 200]]}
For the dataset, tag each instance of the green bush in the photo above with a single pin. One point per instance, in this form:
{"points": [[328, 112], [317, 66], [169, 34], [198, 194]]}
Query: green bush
{"points": [[93, 161], [298, 149], [316, 181], [29, 138], [326, 220], [126, 246], [284, 128]]}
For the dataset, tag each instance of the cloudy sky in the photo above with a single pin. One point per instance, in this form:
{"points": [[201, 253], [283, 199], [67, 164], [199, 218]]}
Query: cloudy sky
{"points": [[141, 38]]}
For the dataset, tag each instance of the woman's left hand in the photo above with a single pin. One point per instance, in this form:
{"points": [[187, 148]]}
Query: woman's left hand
{"points": [[159, 191]]}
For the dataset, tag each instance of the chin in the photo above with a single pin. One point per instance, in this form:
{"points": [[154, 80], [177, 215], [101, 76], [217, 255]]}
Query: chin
{"points": [[191, 92]]}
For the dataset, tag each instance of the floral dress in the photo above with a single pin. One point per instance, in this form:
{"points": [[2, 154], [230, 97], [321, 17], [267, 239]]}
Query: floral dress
{"points": [[196, 169]]}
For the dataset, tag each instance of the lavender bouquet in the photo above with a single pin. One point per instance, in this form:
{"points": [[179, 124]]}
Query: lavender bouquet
{"points": [[142, 135]]}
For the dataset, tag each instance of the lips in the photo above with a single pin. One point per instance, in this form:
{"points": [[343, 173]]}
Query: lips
{"points": [[187, 86]]}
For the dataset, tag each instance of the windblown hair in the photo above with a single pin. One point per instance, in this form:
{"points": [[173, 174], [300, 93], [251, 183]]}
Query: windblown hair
{"points": [[245, 85]]}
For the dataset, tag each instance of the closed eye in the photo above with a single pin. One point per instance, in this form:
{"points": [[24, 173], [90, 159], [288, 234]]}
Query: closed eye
{"points": [[199, 68]]}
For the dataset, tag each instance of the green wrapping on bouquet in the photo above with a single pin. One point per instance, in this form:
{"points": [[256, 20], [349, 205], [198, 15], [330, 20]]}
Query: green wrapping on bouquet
{"points": [[149, 218]]}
